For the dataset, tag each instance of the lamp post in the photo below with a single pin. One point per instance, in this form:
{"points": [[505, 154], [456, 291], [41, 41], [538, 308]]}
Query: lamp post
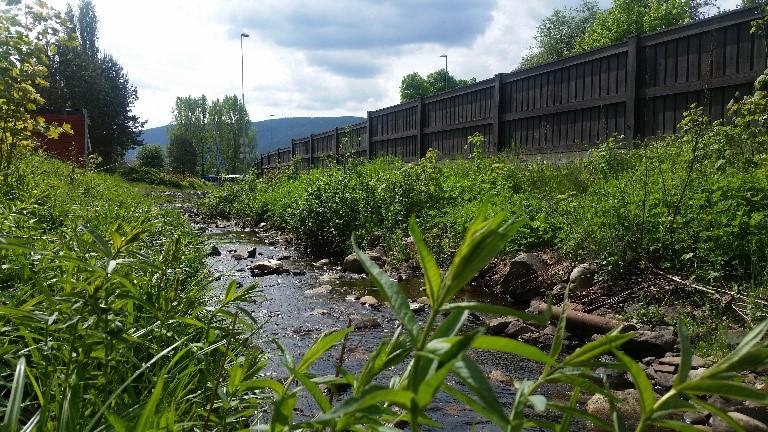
{"points": [[271, 116], [446, 71], [244, 139]]}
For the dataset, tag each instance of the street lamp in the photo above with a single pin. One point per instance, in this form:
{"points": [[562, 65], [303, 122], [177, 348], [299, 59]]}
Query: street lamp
{"points": [[271, 117], [446, 71], [242, 89]]}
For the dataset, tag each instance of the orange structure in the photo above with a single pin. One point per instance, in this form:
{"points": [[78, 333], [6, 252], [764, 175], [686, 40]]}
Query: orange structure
{"points": [[68, 147]]}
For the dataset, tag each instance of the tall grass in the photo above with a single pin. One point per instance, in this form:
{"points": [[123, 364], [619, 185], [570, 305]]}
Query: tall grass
{"points": [[108, 320]]}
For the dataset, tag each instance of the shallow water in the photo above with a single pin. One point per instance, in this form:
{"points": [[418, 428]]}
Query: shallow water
{"points": [[297, 319]]}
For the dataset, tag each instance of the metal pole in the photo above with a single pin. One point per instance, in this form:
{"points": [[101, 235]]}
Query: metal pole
{"points": [[445, 74], [242, 89]]}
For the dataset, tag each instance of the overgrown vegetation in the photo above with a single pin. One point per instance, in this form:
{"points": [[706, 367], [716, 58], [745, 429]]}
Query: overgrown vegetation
{"points": [[159, 177], [107, 315], [438, 349], [692, 204]]}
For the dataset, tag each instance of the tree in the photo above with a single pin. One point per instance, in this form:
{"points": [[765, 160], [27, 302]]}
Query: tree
{"points": [[230, 126], [151, 156], [25, 32], [182, 154], [82, 77], [557, 34], [626, 18], [190, 119], [414, 84]]}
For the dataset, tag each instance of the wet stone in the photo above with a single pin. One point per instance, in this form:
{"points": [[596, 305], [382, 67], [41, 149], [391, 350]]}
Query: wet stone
{"points": [[369, 301], [695, 418], [367, 323], [214, 251], [323, 289]]}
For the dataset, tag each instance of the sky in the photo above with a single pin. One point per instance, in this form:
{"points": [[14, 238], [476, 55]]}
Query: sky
{"points": [[309, 58]]}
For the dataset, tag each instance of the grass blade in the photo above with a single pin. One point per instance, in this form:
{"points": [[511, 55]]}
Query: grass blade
{"points": [[432, 278], [16, 399], [320, 347], [512, 346], [397, 299]]}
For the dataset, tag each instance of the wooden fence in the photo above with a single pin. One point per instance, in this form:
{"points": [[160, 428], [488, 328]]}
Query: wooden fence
{"points": [[635, 89]]}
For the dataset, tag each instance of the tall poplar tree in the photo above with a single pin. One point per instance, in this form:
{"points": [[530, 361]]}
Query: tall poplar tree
{"points": [[83, 77]]}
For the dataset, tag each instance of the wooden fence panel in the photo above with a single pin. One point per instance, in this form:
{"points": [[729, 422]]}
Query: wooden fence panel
{"points": [[634, 89]]}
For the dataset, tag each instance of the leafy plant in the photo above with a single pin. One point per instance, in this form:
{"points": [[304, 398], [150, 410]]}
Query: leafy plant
{"points": [[438, 349]]}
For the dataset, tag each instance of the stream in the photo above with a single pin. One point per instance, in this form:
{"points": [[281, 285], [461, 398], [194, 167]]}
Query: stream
{"points": [[297, 318]]}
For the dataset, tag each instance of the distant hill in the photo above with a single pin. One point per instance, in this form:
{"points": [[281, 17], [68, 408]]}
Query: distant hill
{"points": [[270, 134]]}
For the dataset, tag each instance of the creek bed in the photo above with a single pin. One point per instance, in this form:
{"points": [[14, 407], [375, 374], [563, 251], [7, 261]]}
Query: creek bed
{"points": [[297, 319]]}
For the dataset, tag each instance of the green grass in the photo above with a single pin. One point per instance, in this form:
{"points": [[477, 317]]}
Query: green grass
{"points": [[161, 178], [107, 311]]}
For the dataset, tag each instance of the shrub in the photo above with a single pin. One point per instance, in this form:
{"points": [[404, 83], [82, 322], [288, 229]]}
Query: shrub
{"points": [[150, 156], [107, 316], [157, 177]]}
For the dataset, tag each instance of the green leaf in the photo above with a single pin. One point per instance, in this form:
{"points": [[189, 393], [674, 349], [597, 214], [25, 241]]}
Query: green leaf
{"points": [[474, 378], [428, 385], [542, 319], [282, 415], [314, 391], [538, 402], [575, 412], [401, 398], [483, 241], [595, 349], [717, 411], [686, 354], [730, 389], [450, 325], [116, 422], [148, 413], [399, 302], [323, 344], [677, 426], [512, 346], [16, 398], [262, 383], [498, 418], [642, 384], [742, 356], [429, 265]]}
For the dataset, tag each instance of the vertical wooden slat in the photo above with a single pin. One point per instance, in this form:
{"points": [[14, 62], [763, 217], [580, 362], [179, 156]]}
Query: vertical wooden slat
{"points": [[630, 129]]}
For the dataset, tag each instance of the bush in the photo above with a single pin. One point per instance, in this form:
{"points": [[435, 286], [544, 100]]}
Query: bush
{"points": [[108, 320], [161, 178], [150, 156], [694, 203]]}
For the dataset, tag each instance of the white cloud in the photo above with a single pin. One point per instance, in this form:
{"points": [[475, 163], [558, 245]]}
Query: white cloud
{"points": [[173, 48]]}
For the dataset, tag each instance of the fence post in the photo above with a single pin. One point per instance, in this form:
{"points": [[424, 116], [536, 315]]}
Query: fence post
{"points": [[630, 113], [497, 106], [370, 136], [420, 128], [336, 144], [311, 151]]}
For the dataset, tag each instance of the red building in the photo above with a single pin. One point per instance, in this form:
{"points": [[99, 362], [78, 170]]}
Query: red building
{"points": [[68, 147]]}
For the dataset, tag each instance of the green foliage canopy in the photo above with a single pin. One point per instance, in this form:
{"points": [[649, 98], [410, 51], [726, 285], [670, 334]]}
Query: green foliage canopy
{"points": [[558, 33], [25, 34], [151, 156], [415, 85], [182, 154], [81, 76]]}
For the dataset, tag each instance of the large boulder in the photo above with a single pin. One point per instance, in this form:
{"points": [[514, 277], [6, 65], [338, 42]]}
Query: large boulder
{"points": [[518, 280], [748, 423], [352, 263], [651, 343], [582, 278], [628, 407], [266, 268]]}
